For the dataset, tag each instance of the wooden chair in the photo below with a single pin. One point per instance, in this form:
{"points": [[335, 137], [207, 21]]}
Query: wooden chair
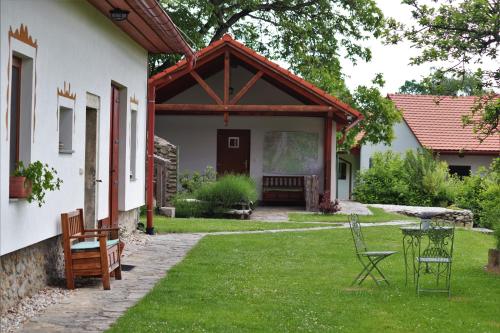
{"points": [[85, 256]]}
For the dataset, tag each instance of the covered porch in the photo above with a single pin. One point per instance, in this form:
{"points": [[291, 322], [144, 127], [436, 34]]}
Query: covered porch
{"points": [[238, 112]]}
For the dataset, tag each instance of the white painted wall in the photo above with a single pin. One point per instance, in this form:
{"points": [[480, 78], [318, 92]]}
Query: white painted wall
{"points": [[403, 141], [79, 45], [474, 161], [196, 137]]}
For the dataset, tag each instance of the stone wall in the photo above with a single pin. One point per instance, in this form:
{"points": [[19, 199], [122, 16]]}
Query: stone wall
{"points": [[30, 269], [127, 221], [165, 171], [461, 217]]}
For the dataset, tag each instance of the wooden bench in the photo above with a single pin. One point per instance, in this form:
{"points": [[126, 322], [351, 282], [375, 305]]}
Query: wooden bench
{"points": [[283, 189], [84, 256]]}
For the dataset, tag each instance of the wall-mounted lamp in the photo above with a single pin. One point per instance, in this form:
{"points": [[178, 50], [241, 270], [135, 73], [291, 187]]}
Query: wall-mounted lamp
{"points": [[118, 14]]}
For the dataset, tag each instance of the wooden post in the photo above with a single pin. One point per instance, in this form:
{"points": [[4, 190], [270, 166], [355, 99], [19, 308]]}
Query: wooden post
{"points": [[327, 155], [227, 77]]}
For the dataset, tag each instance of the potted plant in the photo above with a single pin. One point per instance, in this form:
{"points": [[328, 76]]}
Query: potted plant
{"points": [[33, 181], [494, 254]]}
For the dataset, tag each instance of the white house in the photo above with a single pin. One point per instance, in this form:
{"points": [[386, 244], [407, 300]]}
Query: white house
{"points": [[238, 112], [433, 122], [73, 95]]}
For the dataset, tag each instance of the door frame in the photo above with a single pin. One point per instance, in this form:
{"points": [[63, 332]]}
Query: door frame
{"points": [[218, 155], [93, 107], [114, 154]]}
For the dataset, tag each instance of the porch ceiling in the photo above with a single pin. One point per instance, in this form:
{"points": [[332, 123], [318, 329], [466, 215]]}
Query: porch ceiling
{"points": [[148, 24]]}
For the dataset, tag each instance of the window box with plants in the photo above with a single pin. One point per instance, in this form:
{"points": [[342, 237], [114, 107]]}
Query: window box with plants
{"points": [[33, 181]]}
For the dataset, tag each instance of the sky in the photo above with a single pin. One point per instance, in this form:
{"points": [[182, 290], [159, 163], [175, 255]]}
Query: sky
{"points": [[390, 60]]}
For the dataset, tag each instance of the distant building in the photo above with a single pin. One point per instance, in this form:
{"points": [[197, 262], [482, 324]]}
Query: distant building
{"points": [[433, 122]]}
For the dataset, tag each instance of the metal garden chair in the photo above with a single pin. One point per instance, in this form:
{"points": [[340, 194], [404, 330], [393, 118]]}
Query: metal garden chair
{"points": [[368, 259], [435, 253]]}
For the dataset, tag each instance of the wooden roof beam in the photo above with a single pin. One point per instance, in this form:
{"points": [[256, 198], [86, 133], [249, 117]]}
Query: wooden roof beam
{"points": [[247, 87], [206, 87]]}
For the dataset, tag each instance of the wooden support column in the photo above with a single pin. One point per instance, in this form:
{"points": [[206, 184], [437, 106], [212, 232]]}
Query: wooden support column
{"points": [[327, 156]]}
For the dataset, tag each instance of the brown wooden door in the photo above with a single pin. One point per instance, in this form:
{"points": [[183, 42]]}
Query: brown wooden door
{"points": [[113, 156], [233, 151]]}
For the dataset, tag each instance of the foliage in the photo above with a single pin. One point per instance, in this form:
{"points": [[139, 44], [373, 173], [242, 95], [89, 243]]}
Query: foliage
{"points": [[443, 84], [192, 183], [300, 282], [310, 36], [417, 179], [466, 33], [228, 191], [306, 34], [187, 206], [426, 178], [383, 182], [328, 207], [497, 234], [468, 195], [379, 114], [204, 196], [42, 178], [378, 215]]}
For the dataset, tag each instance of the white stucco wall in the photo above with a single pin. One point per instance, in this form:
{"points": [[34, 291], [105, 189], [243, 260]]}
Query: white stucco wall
{"points": [[196, 137], [404, 140], [474, 161], [79, 45]]}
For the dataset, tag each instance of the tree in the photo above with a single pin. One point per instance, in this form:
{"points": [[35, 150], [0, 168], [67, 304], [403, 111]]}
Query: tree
{"points": [[466, 32], [441, 84], [310, 36]]}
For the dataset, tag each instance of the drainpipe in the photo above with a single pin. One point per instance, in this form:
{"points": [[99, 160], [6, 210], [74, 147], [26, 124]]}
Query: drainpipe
{"points": [[150, 159]]}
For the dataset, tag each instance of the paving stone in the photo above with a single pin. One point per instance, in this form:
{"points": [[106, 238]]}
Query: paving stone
{"points": [[92, 309]]}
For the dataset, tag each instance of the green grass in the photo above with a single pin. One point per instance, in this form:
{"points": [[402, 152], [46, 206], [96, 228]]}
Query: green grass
{"points": [[300, 282], [181, 225], [379, 215]]}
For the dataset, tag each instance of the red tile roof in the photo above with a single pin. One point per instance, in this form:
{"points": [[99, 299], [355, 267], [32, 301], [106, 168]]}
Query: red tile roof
{"points": [[228, 41], [436, 122]]}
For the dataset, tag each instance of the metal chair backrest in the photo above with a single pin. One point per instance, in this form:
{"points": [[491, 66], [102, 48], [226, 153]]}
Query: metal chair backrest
{"points": [[440, 240], [357, 235]]}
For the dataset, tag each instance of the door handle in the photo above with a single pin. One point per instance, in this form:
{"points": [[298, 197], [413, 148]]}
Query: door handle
{"points": [[98, 180]]}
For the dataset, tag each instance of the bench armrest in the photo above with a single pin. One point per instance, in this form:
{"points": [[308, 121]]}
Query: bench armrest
{"points": [[87, 236], [102, 229]]}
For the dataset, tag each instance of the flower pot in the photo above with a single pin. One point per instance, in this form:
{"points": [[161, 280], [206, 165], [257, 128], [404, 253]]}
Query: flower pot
{"points": [[19, 187], [493, 261]]}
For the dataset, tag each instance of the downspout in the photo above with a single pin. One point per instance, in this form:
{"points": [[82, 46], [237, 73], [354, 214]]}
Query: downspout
{"points": [[150, 159], [150, 230]]}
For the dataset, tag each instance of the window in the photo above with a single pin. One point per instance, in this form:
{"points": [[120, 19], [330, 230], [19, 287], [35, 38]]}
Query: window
{"points": [[20, 110], [133, 143], [15, 111], [234, 142], [65, 130], [460, 170], [342, 170]]}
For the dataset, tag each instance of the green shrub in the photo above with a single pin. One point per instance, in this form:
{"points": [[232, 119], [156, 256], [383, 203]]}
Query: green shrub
{"points": [[427, 179], [227, 191], [383, 182], [186, 208], [490, 207], [192, 183], [497, 235]]}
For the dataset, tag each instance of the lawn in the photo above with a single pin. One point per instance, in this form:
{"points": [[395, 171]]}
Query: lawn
{"points": [[300, 282], [181, 225], [379, 215]]}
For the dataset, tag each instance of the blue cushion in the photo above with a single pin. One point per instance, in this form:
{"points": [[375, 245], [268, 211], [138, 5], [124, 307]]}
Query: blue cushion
{"points": [[92, 244]]}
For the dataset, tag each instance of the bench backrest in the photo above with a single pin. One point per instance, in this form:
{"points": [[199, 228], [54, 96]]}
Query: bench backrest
{"points": [[283, 181], [72, 224]]}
